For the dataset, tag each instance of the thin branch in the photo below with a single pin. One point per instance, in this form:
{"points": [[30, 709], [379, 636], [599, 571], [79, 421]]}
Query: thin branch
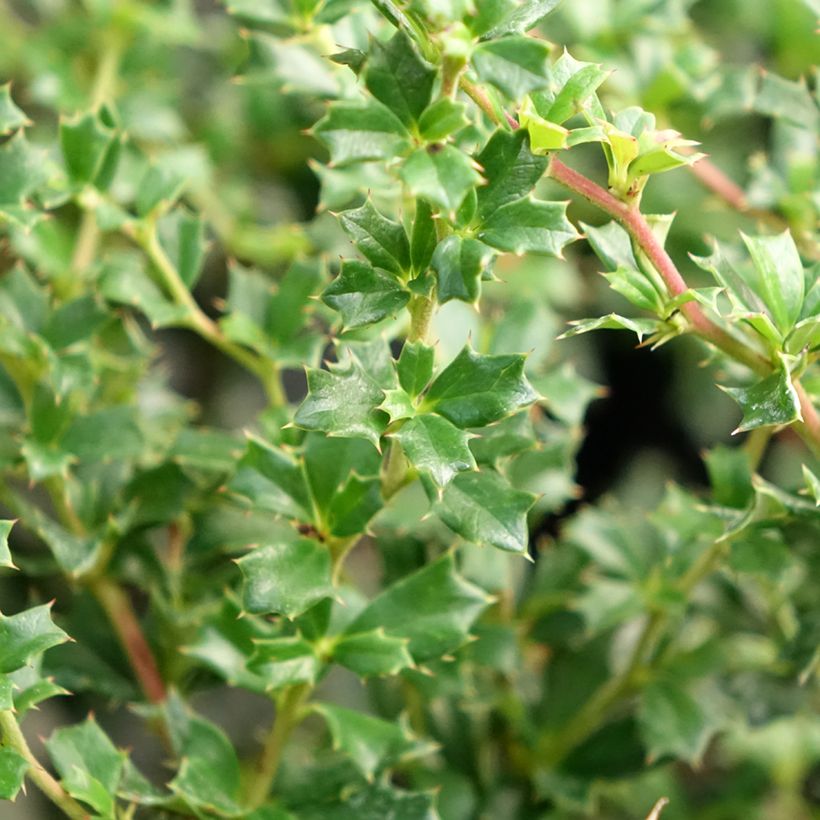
{"points": [[13, 738]]}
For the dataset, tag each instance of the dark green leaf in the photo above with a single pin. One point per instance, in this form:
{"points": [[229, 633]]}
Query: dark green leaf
{"points": [[415, 367], [475, 390], [160, 186], [343, 402], [26, 635], [13, 768], [282, 662], [286, 578], [330, 461], [381, 240], [353, 506], [516, 65], [5, 553], [85, 141], [770, 402], [364, 295], [398, 77], [435, 447], [423, 241], [441, 174], [443, 118], [375, 802], [372, 653], [460, 264], [529, 226], [433, 608], [484, 508], [182, 236]]}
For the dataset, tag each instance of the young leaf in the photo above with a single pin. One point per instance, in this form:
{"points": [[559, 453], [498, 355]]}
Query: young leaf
{"points": [[26, 635], [371, 743], [435, 447], [286, 578], [460, 264], [382, 241], [423, 240], [475, 390], [440, 173], [529, 226], [433, 608], [770, 402], [364, 295], [484, 508], [343, 402], [372, 653], [398, 77], [354, 131], [415, 367], [13, 768]]}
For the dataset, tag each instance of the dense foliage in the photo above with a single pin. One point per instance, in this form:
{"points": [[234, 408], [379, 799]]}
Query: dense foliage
{"points": [[373, 592]]}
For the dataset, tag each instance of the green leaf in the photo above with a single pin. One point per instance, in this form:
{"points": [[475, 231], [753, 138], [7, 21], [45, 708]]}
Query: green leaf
{"points": [[770, 402], [435, 447], [373, 653], [484, 508], [286, 578], [22, 170], [475, 390], [161, 185], [381, 241], [398, 77], [182, 236], [415, 367], [572, 86], [282, 662], [612, 321], [788, 100], [375, 802], [26, 635], [398, 405], [780, 280], [13, 768], [364, 295], [343, 402], [460, 264], [567, 394], [89, 764], [424, 239], [511, 169], [354, 131], [529, 226], [433, 608], [812, 484], [672, 723], [86, 142], [5, 553], [353, 506], [371, 743], [11, 117], [111, 433], [330, 461], [545, 136], [443, 118], [515, 65], [528, 14], [441, 174], [271, 480]]}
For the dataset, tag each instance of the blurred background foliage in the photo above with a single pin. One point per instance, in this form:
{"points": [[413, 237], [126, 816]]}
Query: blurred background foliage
{"points": [[194, 91]]}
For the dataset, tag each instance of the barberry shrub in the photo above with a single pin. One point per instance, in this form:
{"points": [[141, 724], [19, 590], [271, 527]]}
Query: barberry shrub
{"points": [[376, 591]]}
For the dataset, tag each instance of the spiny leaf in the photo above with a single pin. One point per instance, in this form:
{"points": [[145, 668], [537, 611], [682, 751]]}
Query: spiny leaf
{"points": [[86, 142], [13, 768], [435, 447], [415, 367], [515, 65], [484, 508], [26, 635], [5, 553], [460, 264], [286, 578], [528, 14], [443, 118], [433, 608], [11, 117], [364, 295], [381, 240], [475, 390], [529, 226], [352, 507], [282, 662], [372, 653], [441, 174]]}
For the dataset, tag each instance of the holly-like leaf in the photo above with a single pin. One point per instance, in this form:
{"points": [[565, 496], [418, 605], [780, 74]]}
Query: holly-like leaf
{"points": [[86, 142], [182, 236], [415, 367], [441, 174], [282, 662], [372, 653], [528, 14], [13, 768], [511, 169], [423, 239], [433, 608], [382, 241], [5, 553], [354, 131], [374, 803], [571, 87], [343, 402], [770, 402], [22, 170], [371, 743], [398, 77], [353, 506], [443, 118], [515, 65], [612, 321], [11, 117], [460, 264], [364, 295], [89, 764], [286, 578], [529, 226], [484, 508], [812, 484], [435, 447], [26, 635], [475, 390], [672, 723]]}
